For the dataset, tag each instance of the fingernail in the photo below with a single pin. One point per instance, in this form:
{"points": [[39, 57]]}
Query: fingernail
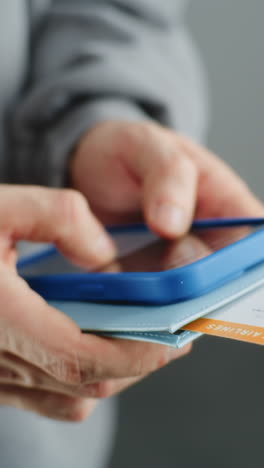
{"points": [[170, 217]]}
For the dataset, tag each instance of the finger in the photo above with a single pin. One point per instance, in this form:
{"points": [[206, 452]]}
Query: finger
{"points": [[29, 377], [64, 353], [15, 371], [108, 388], [168, 179], [169, 196], [32, 331], [221, 191], [59, 216], [51, 405], [134, 358], [18, 372]]}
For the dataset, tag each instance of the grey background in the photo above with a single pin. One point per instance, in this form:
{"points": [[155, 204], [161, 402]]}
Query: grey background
{"points": [[207, 409]]}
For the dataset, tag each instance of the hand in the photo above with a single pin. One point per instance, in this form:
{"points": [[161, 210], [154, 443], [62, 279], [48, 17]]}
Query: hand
{"points": [[46, 364], [126, 169]]}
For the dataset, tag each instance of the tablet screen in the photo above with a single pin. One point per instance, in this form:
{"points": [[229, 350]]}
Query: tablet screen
{"points": [[144, 252]]}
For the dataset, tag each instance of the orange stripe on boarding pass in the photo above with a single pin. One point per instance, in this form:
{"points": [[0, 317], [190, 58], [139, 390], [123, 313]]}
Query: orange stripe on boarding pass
{"points": [[235, 331]]}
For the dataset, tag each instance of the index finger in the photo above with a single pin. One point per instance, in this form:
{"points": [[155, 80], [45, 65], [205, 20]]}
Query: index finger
{"points": [[55, 215]]}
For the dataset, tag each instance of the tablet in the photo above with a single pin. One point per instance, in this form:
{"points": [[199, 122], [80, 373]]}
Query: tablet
{"points": [[150, 270]]}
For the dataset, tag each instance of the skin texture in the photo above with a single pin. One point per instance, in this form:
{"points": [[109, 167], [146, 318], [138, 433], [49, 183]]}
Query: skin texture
{"points": [[46, 364], [130, 170], [127, 171]]}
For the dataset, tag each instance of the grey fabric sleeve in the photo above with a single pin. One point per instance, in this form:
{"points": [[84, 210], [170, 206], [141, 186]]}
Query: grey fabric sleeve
{"points": [[99, 60]]}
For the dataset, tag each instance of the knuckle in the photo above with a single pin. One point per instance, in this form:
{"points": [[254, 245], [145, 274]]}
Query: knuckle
{"points": [[182, 162], [90, 371], [70, 372], [64, 369], [171, 160], [134, 136], [71, 206], [81, 366], [13, 368]]}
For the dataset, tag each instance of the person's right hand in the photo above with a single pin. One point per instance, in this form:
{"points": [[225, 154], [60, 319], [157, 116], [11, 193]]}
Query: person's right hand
{"points": [[46, 364]]}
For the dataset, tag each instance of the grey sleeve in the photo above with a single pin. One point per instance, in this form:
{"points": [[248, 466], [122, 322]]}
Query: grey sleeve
{"points": [[97, 60]]}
